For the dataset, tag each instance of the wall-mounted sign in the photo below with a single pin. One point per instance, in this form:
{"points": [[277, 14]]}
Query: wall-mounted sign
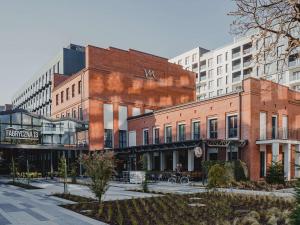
{"points": [[24, 134], [198, 152], [149, 74]]}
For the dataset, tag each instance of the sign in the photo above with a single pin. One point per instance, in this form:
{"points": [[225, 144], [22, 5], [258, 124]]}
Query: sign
{"points": [[198, 152], [23, 134], [149, 74], [137, 177]]}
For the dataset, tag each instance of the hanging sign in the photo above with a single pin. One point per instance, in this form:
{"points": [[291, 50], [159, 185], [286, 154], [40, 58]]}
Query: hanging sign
{"points": [[23, 134], [198, 152]]}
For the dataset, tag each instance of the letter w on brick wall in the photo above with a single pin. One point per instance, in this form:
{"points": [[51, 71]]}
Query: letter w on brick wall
{"points": [[149, 74]]}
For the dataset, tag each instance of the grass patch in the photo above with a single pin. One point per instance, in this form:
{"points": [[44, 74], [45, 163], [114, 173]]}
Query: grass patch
{"points": [[74, 198], [23, 185], [197, 209]]}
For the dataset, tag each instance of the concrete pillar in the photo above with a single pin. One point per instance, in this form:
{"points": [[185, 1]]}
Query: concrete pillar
{"points": [[287, 161], [162, 161], [191, 160], [149, 161], [80, 165], [275, 152], [175, 159], [297, 161], [263, 148]]}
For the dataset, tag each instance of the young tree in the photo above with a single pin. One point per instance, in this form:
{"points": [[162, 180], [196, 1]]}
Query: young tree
{"points": [[100, 168], [63, 172], [277, 19]]}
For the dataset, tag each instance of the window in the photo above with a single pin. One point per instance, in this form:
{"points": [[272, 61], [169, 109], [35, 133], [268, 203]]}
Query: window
{"points": [[156, 136], [280, 50], [181, 132], [108, 138], [187, 60], [210, 84], [220, 92], [67, 93], [226, 56], [267, 68], [232, 127], [122, 138], [210, 62], [274, 127], [210, 74], [210, 94], [168, 134], [194, 57], [57, 97], [145, 136], [219, 59], [79, 87], [213, 128], [179, 62], [226, 68], [219, 82], [196, 130], [73, 90], [80, 116], [74, 113], [62, 96]]}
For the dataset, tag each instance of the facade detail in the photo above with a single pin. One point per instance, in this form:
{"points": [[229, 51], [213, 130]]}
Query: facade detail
{"points": [[258, 124], [35, 95], [222, 70]]}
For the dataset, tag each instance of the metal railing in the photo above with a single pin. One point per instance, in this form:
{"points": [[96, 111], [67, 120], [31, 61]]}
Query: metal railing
{"points": [[279, 133]]}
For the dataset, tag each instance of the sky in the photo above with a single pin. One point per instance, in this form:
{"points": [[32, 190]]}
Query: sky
{"points": [[34, 31]]}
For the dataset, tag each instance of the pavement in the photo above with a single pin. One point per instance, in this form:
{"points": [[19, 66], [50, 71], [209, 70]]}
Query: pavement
{"points": [[37, 207]]}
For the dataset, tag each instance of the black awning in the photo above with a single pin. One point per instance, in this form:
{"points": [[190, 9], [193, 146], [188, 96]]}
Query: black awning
{"points": [[41, 147], [184, 145]]}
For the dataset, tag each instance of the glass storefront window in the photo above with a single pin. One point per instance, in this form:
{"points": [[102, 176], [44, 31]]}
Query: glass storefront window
{"points": [[16, 118], [26, 119]]}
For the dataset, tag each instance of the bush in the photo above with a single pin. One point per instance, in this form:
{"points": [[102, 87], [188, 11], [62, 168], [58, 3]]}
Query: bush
{"points": [[217, 176], [275, 174], [295, 216], [240, 170]]}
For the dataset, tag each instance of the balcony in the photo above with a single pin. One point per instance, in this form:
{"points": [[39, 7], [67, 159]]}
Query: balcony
{"points": [[280, 133], [236, 65], [236, 52], [247, 48], [294, 63]]}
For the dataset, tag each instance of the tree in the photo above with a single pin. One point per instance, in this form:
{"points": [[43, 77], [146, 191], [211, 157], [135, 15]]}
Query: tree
{"points": [[273, 19], [73, 172], [100, 168], [63, 172], [275, 174]]}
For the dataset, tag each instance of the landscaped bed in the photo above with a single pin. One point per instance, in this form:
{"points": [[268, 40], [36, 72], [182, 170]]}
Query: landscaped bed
{"points": [[23, 185], [205, 208]]}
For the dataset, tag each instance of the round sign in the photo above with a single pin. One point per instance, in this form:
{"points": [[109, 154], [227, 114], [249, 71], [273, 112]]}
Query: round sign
{"points": [[198, 152]]}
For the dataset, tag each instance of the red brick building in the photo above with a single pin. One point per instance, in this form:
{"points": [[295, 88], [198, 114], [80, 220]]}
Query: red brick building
{"points": [[117, 84], [258, 125]]}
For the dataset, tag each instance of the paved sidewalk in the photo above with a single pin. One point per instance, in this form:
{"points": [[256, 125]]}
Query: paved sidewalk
{"points": [[24, 207]]}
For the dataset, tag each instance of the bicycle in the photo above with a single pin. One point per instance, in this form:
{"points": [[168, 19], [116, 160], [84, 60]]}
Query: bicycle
{"points": [[179, 179]]}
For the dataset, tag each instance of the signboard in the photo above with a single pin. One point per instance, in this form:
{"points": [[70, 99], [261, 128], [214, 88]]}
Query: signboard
{"points": [[137, 177], [23, 134], [198, 152], [149, 74]]}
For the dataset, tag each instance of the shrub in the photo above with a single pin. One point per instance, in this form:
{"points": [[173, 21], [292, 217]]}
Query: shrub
{"points": [[217, 176], [295, 216], [240, 170], [275, 174]]}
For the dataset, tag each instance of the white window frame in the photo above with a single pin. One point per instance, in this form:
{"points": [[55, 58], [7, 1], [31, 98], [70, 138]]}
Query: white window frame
{"points": [[145, 129], [153, 133], [238, 128], [208, 129], [165, 132], [192, 128]]}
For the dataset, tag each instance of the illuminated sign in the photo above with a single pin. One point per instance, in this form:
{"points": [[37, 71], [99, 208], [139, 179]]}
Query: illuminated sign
{"points": [[24, 134]]}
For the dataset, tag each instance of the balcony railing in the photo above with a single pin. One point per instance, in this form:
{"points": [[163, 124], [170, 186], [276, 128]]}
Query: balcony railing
{"points": [[236, 54], [236, 67], [294, 63], [280, 133], [247, 51]]}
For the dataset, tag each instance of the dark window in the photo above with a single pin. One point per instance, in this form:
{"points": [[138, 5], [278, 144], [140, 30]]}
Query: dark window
{"points": [[213, 156], [122, 139], [146, 137], [79, 87], [80, 116], [232, 126], [57, 97], [213, 128], [168, 134], [181, 132], [74, 114], [73, 90], [62, 97], [196, 130], [232, 155], [67, 94], [274, 127], [108, 138], [156, 136], [262, 164]]}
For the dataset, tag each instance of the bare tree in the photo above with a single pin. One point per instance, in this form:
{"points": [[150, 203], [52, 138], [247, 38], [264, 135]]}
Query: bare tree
{"points": [[269, 22]]}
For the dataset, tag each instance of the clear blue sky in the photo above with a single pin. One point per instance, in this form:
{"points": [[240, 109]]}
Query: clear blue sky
{"points": [[33, 31]]}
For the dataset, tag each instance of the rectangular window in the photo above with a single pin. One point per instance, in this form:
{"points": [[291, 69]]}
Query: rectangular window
{"points": [[73, 90], [122, 138], [187, 60], [232, 127], [210, 62], [57, 97], [194, 57], [108, 138], [156, 136], [274, 127], [62, 97], [146, 136], [196, 130], [262, 164], [67, 94], [74, 113], [219, 59], [80, 116], [181, 132], [79, 87], [168, 134], [213, 128], [219, 82]]}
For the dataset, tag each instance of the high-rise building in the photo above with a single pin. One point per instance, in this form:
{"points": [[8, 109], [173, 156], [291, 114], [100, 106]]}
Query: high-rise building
{"points": [[35, 95], [222, 70]]}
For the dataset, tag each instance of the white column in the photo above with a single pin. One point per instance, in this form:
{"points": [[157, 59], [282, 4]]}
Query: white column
{"points": [[297, 161], [263, 148], [149, 161], [80, 165], [191, 160], [175, 159], [275, 152], [162, 161], [287, 161]]}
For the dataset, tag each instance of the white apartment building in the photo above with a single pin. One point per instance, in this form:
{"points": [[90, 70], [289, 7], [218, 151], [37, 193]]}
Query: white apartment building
{"points": [[35, 95], [222, 70]]}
